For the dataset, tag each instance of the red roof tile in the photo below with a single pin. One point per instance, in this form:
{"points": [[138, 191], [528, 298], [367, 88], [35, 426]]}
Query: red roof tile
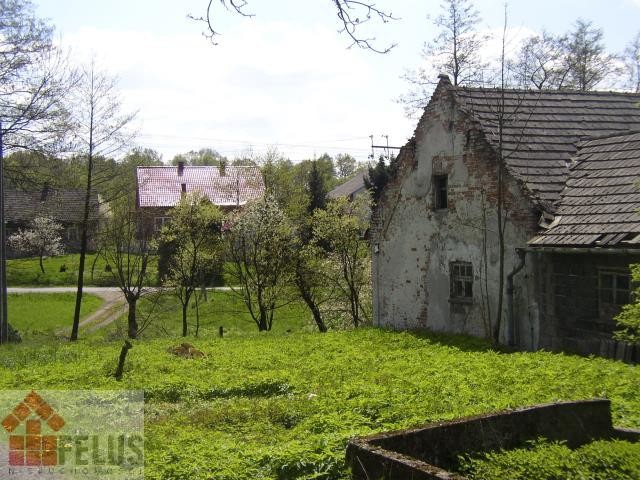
{"points": [[162, 186]]}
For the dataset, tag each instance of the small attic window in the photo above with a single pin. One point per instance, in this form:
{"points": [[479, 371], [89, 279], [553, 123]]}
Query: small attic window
{"points": [[441, 201]]}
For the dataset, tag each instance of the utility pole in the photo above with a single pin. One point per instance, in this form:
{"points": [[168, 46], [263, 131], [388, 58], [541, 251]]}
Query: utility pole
{"points": [[386, 149], [4, 321]]}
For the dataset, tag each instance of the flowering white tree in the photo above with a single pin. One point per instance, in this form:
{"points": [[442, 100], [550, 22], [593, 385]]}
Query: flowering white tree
{"points": [[260, 245], [340, 229], [42, 239]]}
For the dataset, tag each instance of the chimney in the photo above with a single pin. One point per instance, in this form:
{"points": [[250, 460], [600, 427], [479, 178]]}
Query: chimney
{"points": [[180, 168], [183, 188]]}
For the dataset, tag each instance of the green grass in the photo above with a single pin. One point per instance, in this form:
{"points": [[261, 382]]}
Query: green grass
{"points": [[283, 406], [44, 314], [220, 309], [542, 460], [26, 271]]}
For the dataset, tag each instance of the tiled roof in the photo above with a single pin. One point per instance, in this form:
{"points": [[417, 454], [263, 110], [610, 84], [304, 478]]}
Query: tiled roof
{"points": [[350, 187], [599, 206], [542, 129], [162, 186], [65, 206]]}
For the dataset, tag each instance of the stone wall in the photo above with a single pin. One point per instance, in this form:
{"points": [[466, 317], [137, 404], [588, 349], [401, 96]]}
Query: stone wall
{"points": [[428, 452]]}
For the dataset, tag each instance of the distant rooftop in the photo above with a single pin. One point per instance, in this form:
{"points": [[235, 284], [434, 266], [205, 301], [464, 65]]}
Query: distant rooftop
{"points": [[228, 186], [350, 188]]}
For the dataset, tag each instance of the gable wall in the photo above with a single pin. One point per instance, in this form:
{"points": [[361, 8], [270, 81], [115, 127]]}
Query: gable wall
{"points": [[415, 243]]}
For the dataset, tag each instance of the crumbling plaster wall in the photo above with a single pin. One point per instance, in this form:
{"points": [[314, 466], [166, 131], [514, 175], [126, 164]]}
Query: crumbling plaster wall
{"points": [[414, 243]]}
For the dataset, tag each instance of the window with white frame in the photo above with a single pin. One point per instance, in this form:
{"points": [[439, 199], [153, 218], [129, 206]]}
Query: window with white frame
{"points": [[461, 274]]}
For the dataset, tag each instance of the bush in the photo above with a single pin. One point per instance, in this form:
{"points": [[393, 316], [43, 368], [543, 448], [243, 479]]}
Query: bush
{"points": [[628, 319]]}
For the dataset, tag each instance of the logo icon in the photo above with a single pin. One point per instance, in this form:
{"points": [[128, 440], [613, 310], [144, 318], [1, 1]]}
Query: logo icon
{"points": [[27, 424]]}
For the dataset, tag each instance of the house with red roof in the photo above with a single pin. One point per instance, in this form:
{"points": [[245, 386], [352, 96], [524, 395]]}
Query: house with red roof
{"points": [[160, 188]]}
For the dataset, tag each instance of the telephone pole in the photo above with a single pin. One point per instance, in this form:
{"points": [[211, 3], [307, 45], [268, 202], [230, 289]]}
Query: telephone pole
{"points": [[4, 321]]}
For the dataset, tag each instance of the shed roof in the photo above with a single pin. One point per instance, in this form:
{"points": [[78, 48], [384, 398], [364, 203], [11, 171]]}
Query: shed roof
{"points": [[65, 206], [600, 203], [541, 129], [162, 186]]}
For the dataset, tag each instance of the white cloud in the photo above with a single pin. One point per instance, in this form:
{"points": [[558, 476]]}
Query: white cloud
{"points": [[269, 83]]}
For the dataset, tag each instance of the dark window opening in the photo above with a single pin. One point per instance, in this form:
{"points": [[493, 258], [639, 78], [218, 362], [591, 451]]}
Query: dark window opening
{"points": [[461, 274], [440, 192], [614, 288]]}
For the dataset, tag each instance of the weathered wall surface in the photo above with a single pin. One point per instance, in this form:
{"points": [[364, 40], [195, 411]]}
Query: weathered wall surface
{"points": [[415, 243]]}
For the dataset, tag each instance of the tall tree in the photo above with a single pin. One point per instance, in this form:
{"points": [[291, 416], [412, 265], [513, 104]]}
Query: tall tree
{"points": [[260, 241], [100, 129], [317, 189], [340, 230], [538, 63], [34, 79], [125, 248], [346, 165], [454, 51], [631, 58], [193, 242], [585, 59]]}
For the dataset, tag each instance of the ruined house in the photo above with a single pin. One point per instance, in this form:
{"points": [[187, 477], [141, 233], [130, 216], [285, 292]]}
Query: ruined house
{"points": [[559, 169], [160, 188]]}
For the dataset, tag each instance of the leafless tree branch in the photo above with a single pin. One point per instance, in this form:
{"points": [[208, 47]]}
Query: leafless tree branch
{"points": [[351, 13]]}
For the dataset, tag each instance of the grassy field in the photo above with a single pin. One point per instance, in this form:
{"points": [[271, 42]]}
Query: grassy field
{"points": [[219, 309], [43, 314], [26, 271], [283, 405]]}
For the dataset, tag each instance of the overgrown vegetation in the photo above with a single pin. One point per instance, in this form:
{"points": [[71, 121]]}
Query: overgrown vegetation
{"points": [[543, 460], [628, 319], [284, 406]]}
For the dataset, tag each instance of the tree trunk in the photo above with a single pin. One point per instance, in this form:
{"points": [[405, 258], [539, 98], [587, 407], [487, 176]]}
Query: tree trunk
{"points": [[83, 238], [305, 293], [132, 323], [123, 356], [41, 265], [262, 325], [184, 319]]}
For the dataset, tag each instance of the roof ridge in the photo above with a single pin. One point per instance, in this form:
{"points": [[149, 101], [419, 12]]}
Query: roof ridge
{"points": [[546, 91]]}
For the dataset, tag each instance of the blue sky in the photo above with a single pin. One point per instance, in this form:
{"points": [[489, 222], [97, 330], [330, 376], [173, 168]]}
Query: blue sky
{"points": [[283, 78]]}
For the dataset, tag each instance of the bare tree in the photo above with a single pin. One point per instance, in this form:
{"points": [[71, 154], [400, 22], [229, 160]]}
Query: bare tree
{"points": [[585, 59], [539, 63], [126, 249], [34, 77], [99, 129], [631, 58], [351, 15], [454, 51]]}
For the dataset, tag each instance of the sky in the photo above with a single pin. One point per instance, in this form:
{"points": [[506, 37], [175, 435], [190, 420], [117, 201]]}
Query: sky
{"points": [[285, 77]]}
